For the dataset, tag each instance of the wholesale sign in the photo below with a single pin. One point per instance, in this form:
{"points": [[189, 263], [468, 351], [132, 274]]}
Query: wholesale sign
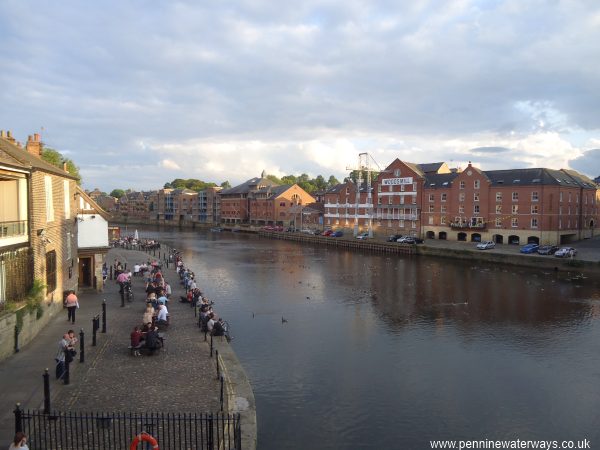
{"points": [[396, 181]]}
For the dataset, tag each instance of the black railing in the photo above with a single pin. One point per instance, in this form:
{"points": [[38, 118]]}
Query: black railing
{"points": [[9, 229], [114, 431]]}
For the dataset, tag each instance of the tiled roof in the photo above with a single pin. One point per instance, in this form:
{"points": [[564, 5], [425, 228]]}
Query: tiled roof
{"points": [[439, 180], [431, 167], [31, 161], [8, 160], [248, 186]]}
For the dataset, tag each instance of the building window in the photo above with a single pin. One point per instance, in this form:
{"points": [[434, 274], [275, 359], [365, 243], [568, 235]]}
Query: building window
{"points": [[431, 208], [514, 222], [515, 209], [476, 196], [401, 223], [67, 199], [390, 199], [281, 203], [443, 208], [534, 222], [430, 220], [415, 187], [560, 197], [396, 172], [498, 196], [498, 209], [49, 199], [534, 209], [461, 209], [402, 188], [569, 199], [379, 188], [51, 271], [389, 223], [461, 197], [413, 224], [515, 196], [443, 220], [431, 197], [535, 196], [379, 200], [498, 222], [443, 197], [414, 200], [462, 185], [476, 209], [69, 251], [476, 184]]}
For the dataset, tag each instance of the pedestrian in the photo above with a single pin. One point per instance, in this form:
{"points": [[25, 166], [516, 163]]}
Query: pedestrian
{"points": [[72, 303], [20, 441], [63, 347]]}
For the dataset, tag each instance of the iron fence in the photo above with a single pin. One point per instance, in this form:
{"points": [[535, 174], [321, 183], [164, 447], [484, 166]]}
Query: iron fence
{"points": [[115, 431]]}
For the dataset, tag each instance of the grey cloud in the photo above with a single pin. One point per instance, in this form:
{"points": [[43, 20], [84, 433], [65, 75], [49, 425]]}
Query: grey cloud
{"points": [[491, 150], [588, 163]]}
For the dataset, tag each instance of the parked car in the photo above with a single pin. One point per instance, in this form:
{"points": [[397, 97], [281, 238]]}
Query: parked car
{"points": [[408, 240], [327, 233], [547, 249], [394, 238], [565, 252], [362, 236], [337, 234], [486, 245], [529, 248]]}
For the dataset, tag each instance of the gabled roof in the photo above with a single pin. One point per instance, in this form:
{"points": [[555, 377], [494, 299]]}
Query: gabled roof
{"points": [[439, 180], [250, 185], [7, 160], [97, 209], [434, 167], [31, 161]]}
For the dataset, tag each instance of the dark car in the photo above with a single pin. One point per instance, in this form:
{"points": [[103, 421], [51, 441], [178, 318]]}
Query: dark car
{"points": [[529, 248], [337, 234], [547, 249], [327, 233], [394, 238]]}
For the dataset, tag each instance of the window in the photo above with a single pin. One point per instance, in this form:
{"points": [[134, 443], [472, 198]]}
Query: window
{"points": [[431, 208], [461, 197], [414, 187], [67, 199], [69, 250], [401, 223], [51, 271], [443, 220], [402, 199], [534, 222], [461, 209], [498, 196], [515, 209], [476, 196], [476, 209], [443, 197], [514, 222], [430, 220], [431, 197], [396, 172], [534, 209], [569, 197], [498, 209], [560, 197], [535, 196], [515, 196], [390, 199], [379, 200], [402, 188], [476, 184], [281, 203], [498, 222], [49, 199], [462, 185], [443, 208], [413, 224]]}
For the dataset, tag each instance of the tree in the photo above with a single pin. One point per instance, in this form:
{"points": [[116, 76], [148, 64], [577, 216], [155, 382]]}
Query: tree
{"points": [[117, 193], [288, 179], [226, 185], [320, 183], [57, 159], [274, 179], [333, 181]]}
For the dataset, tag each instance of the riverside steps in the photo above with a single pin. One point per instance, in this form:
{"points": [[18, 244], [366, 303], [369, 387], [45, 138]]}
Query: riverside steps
{"points": [[180, 378]]}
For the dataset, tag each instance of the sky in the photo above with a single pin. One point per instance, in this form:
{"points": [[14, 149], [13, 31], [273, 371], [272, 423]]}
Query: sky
{"points": [[138, 93]]}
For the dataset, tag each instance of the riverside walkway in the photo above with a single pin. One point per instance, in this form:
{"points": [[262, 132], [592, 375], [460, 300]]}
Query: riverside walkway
{"points": [[179, 378]]}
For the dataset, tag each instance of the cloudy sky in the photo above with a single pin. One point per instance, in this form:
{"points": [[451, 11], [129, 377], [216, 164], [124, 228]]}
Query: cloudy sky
{"points": [[140, 92]]}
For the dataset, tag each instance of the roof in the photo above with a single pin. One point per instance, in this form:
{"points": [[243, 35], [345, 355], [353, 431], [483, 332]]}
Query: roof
{"points": [[30, 161], [439, 180], [93, 204], [250, 185], [431, 167], [8, 160]]}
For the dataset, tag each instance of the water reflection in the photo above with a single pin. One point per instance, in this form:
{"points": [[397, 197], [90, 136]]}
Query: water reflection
{"points": [[389, 352]]}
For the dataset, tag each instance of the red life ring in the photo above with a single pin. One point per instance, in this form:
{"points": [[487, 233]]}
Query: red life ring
{"points": [[145, 437]]}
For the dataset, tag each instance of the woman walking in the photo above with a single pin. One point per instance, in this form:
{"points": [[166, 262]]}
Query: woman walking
{"points": [[20, 441], [72, 304]]}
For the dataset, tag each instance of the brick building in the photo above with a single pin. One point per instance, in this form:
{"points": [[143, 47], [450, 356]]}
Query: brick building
{"points": [[277, 205], [209, 205], [135, 205], [235, 202], [176, 205]]}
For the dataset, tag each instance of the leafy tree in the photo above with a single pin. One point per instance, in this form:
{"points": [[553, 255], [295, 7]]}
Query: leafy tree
{"points": [[57, 159], [307, 186], [303, 177], [332, 181], [117, 193], [191, 183], [289, 179], [226, 185], [274, 179], [320, 183]]}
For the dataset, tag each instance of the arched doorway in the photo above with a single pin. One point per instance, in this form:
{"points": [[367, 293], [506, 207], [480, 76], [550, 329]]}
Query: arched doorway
{"points": [[475, 237], [430, 235], [442, 235], [533, 240], [498, 239], [462, 236], [513, 240]]}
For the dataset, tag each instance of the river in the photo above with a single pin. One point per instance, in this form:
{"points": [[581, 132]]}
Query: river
{"points": [[346, 350]]}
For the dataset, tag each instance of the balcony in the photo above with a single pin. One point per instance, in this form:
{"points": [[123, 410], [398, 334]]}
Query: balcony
{"points": [[14, 232], [468, 225]]}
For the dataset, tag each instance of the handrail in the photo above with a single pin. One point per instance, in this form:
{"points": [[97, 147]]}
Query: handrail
{"points": [[13, 228]]}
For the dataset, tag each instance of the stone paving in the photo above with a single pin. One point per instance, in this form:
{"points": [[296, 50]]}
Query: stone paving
{"points": [[179, 378]]}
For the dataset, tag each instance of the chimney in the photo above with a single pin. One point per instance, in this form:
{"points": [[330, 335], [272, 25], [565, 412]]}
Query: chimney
{"points": [[65, 166], [2, 134], [9, 137], [34, 145]]}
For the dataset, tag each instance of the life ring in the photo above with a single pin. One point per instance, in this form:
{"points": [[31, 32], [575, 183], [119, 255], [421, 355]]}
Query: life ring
{"points": [[143, 437]]}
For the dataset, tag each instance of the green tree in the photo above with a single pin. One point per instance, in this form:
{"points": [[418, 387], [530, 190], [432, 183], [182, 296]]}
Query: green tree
{"points": [[226, 185], [332, 181], [320, 183], [274, 179], [117, 193], [57, 159], [289, 179]]}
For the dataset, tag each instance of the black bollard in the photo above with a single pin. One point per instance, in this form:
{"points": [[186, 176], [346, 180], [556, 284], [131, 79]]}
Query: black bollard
{"points": [[154, 252], [211, 346], [46, 377], [221, 397], [125, 267], [67, 373], [81, 346], [18, 418], [104, 316], [17, 331], [111, 272], [94, 330], [217, 359], [123, 298]]}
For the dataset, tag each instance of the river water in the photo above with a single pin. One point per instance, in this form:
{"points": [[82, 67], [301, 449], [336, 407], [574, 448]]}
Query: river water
{"points": [[382, 351]]}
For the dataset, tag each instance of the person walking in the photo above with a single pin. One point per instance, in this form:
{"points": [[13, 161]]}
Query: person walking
{"points": [[19, 442], [72, 303]]}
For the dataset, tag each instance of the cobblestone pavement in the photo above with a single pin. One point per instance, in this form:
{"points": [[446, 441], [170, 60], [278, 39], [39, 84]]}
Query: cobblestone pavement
{"points": [[179, 378]]}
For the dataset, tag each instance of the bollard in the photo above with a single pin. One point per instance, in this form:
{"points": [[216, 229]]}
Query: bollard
{"points": [[46, 377], [94, 329], [217, 359], [111, 272], [211, 346], [221, 378], [104, 316], [67, 373], [81, 346], [17, 331], [18, 418], [159, 254], [125, 267], [123, 298]]}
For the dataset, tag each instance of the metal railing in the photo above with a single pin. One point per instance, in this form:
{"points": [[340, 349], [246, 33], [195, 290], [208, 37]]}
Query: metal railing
{"points": [[10, 229], [114, 431]]}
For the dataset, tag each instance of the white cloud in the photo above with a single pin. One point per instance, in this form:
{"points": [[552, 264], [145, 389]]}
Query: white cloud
{"points": [[169, 164]]}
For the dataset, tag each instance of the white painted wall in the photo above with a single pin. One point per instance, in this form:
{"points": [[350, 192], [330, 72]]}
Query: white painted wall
{"points": [[92, 231]]}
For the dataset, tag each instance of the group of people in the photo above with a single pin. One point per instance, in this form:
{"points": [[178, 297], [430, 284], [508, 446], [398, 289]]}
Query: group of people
{"points": [[66, 352]]}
